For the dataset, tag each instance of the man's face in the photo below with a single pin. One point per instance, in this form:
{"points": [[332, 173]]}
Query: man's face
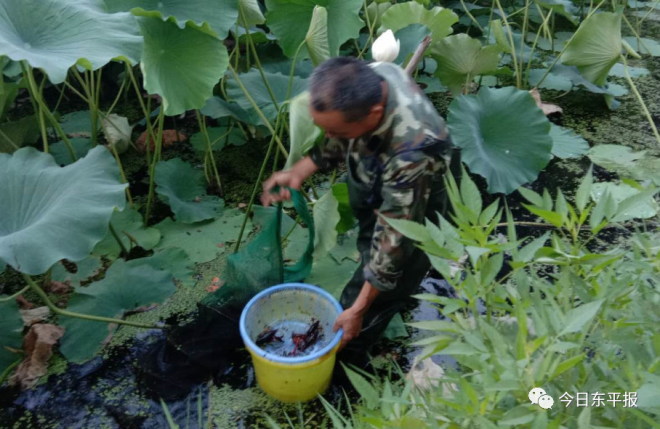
{"points": [[335, 125]]}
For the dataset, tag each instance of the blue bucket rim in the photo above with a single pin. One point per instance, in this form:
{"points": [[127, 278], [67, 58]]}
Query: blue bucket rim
{"points": [[284, 359]]}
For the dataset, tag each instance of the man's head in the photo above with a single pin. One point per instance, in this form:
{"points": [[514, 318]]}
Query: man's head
{"points": [[347, 97]]}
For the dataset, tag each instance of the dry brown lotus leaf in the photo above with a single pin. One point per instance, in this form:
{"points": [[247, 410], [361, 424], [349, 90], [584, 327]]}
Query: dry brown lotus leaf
{"points": [[547, 108], [38, 346], [170, 137], [34, 315]]}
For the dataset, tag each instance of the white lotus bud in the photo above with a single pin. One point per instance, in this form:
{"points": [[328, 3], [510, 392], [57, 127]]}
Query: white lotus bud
{"points": [[385, 47]]}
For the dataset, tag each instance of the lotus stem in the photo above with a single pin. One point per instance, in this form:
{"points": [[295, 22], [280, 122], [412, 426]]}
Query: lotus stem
{"points": [[113, 231], [122, 173], [255, 189], [472, 18], [8, 370], [209, 150], [645, 109], [152, 168], [512, 44], [9, 298], [44, 111], [417, 55], [55, 309], [260, 113], [11, 142]]}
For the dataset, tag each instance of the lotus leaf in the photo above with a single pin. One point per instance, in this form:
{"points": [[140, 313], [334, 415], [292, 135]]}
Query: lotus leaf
{"points": [[16, 134], [563, 7], [217, 108], [254, 84], [220, 137], [316, 39], [643, 207], [289, 21], [439, 20], [204, 241], [461, 58], [51, 212], [60, 151], [181, 65], [56, 34], [182, 186], [303, 131], [331, 274], [596, 46], [409, 39], [215, 17], [85, 270], [619, 70], [644, 45], [249, 13], [126, 286], [567, 144], [326, 217], [626, 162], [503, 135], [130, 230], [11, 328]]}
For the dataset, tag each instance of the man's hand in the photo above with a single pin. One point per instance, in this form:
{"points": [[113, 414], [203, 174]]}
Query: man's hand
{"points": [[292, 178], [350, 320]]}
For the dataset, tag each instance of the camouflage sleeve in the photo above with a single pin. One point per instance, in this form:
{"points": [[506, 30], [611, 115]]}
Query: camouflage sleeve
{"points": [[406, 187], [329, 154]]}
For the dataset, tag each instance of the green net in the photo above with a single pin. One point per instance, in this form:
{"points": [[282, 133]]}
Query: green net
{"points": [[206, 346], [260, 264]]}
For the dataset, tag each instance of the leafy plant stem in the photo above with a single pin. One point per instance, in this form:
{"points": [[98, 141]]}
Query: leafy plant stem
{"points": [[209, 149], [255, 189], [645, 109], [259, 112], [13, 296], [55, 309]]}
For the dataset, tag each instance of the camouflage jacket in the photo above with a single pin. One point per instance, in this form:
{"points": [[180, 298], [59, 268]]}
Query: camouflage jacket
{"points": [[391, 170]]}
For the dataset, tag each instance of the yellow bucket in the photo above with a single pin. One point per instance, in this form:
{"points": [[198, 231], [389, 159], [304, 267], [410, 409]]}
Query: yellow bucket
{"points": [[292, 378]]}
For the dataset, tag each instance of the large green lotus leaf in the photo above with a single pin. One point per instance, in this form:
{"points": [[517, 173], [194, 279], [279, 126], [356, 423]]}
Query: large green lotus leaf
{"points": [[567, 144], [564, 78], [203, 241], [302, 130], [503, 135], [217, 108], [11, 328], [326, 218], [644, 45], [289, 21], [49, 212], [563, 7], [181, 65], [619, 70], [60, 151], [126, 286], [249, 13], [439, 20], [332, 274], [85, 270], [219, 137], [255, 86], [176, 261], [644, 208], [22, 132], [596, 46], [216, 17], [316, 39], [626, 162], [182, 186], [53, 35], [130, 228], [461, 57]]}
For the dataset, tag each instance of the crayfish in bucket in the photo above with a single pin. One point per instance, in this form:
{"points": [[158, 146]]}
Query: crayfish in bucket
{"points": [[294, 345]]}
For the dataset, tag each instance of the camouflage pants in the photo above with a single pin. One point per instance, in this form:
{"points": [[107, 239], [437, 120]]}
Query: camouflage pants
{"points": [[387, 304]]}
